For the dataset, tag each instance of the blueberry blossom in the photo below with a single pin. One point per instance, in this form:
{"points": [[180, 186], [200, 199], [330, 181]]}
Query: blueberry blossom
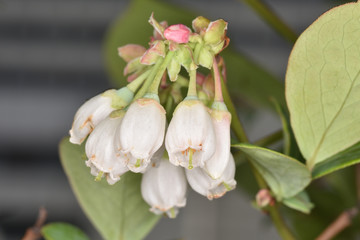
{"points": [[141, 133], [101, 153], [211, 188], [164, 188], [221, 119], [190, 138], [93, 111]]}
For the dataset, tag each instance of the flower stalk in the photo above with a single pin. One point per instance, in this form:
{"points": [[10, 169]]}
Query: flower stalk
{"points": [[154, 86], [192, 84]]}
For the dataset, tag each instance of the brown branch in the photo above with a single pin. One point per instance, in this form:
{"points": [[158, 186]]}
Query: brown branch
{"points": [[342, 222], [34, 232]]}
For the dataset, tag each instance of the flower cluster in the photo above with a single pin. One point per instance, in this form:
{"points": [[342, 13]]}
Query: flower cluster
{"points": [[169, 138]]}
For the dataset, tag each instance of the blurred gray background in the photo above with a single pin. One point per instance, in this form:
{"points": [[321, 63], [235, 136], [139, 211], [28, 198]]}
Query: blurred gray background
{"points": [[51, 61]]}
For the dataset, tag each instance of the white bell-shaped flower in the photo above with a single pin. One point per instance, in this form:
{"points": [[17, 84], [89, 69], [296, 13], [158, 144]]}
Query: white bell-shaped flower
{"points": [[216, 165], [141, 133], [202, 183], [90, 114], [164, 188], [101, 153], [190, 138]]}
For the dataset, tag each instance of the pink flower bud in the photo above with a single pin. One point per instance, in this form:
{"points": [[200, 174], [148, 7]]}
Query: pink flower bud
{"points": [[264, 198], [178, 33]]}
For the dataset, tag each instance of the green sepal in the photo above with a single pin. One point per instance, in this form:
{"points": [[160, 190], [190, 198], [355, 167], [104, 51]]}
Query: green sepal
{"points": [[184, 57], [157, 26], [152, 55], [219, 106], [132, 66], [173, 69], [152, 96], [206, 57], [216, 48], [119, 98], [117, 113]]}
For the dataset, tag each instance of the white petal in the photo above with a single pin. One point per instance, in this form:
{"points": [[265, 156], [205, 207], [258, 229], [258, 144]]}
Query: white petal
{"points": [[216, 165], [202, 183], [142, 131], [190, 127], [164, 188], [88, 116], [100, 150]]}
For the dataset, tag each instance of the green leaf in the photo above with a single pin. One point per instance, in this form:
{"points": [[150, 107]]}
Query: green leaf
{"points": [[300, 202], [285, 175], [61, 231], [323, 84], [244, 76], [341, 160], [118, 212], [290, 146]]}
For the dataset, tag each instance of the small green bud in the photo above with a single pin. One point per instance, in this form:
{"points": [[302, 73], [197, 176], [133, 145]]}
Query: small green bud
{"points": [[200, 24], [215, 32]]}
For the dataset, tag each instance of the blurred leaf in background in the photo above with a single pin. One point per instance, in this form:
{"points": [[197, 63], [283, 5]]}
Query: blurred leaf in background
{"points": [[117, 211]]}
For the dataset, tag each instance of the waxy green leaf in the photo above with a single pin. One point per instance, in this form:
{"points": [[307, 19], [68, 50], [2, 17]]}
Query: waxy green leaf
{"points": [[117, 211], [61, 231], [341, 160], [285, 175], [323, 84], [300, 202]]}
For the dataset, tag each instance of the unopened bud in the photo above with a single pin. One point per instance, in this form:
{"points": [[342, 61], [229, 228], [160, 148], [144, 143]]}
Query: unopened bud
{"points": [[200, 24], [131, 51], [215, 32], [264, 198], [178, 33]]}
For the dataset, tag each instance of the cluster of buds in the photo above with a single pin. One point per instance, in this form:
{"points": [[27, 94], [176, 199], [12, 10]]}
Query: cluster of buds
{"points": [[188, 141]]}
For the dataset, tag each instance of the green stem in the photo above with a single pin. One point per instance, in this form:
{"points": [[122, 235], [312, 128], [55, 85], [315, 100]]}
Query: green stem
{"points": [[154, 87], [134, 85], [272, 19], [279, 223], [197, 50], [238, 129], [270, 139], [192, 84], [236, 125], [149, 80], [217, 81]]}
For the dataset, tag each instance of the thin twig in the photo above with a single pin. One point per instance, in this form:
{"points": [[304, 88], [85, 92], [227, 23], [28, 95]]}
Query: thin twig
{"points": [[342, 222], [34, 232]]}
